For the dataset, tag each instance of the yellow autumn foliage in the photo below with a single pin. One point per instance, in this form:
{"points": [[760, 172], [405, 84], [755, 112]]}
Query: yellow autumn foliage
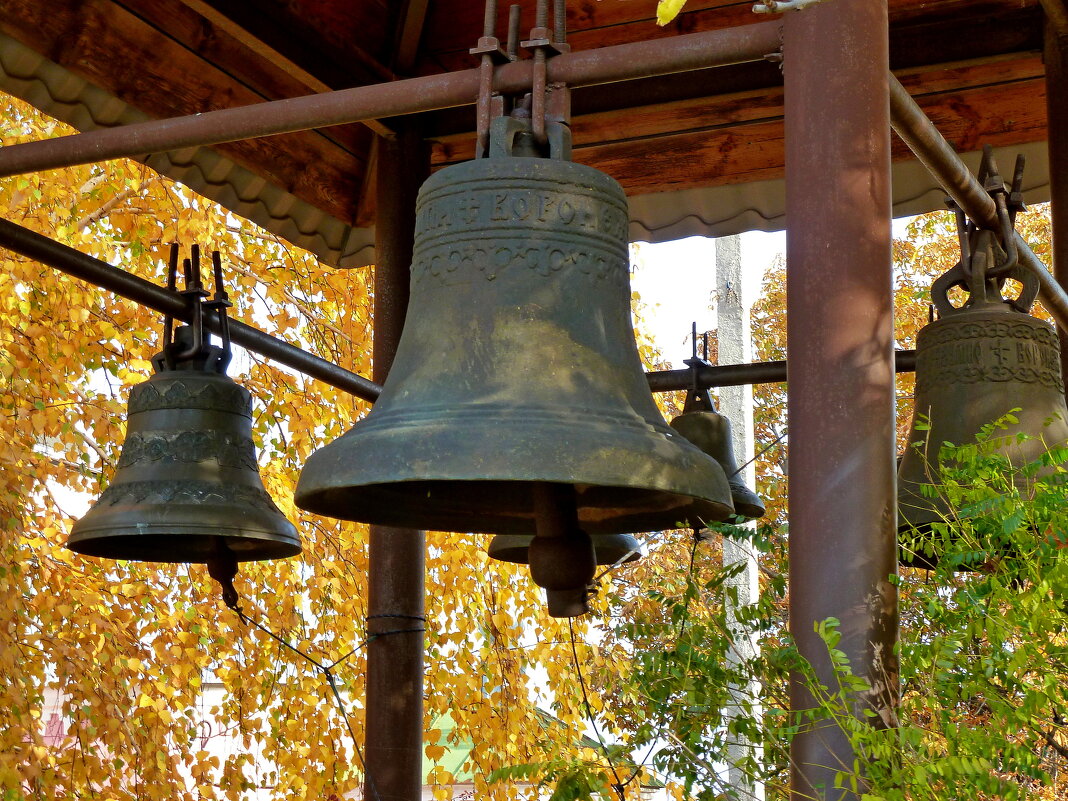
{"points": [[105, 667]]}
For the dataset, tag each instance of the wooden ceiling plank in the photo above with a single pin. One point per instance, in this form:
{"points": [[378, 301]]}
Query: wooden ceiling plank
{"points": [[711, 112], [457, 26], [111, 48], [409, 36], [354, 32], [602, 24], [1002, 114], [255, 49], [217, 40], [256, 45], [328, 45]]}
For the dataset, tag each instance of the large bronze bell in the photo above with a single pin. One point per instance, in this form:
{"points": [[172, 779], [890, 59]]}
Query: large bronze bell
{"points": [[188, 487], [975, 364], [517, 367]]}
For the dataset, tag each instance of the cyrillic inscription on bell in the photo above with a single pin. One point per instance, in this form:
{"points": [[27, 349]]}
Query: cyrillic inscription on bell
{"points": [[517, 365]]}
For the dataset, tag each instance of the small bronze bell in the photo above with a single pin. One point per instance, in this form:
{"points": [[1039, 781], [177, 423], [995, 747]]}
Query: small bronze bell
{"points": [[710, 431], [975, 364], [609, 548], [188, 487], [570, 602]]}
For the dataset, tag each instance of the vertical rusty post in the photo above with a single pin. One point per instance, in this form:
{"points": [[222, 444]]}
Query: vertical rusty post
{"points": [[394, 733], [839, 333], [1056, 60]]}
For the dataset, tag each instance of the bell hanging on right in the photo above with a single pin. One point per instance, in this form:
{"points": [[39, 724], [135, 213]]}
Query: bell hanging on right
{"points": [[975, 364]]}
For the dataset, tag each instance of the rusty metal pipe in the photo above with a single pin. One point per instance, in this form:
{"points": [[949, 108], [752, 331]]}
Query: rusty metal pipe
{"points": [[1055, 56], [736, 375], [843, 538], [80, 265], [939, 157], [413, 95], [396, 556]]}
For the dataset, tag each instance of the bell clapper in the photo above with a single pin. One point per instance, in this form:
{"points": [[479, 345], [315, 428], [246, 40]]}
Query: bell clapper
{"points": [[562, 558], [222, 566]]}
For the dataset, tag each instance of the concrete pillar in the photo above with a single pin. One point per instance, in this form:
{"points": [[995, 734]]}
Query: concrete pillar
{"points": [[736, 403]]}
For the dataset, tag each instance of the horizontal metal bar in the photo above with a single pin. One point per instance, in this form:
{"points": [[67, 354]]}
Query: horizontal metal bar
{"points": [[413, 95], [939, 157], [732, 375], [80, 265]]}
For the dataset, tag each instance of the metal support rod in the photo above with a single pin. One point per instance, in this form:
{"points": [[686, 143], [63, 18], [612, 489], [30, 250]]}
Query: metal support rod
{"points": [[842, 540], [939, 157], [396, 574], [736, 375], [428, 93], [78, 264], [1056, 60]]}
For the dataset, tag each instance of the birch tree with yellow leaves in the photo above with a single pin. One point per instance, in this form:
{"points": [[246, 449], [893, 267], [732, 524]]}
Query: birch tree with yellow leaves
{"points": [[127, 647]]}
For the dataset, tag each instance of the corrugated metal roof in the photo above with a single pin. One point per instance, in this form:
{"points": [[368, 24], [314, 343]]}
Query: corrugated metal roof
{"points": [[59, 93], [761, 205]]}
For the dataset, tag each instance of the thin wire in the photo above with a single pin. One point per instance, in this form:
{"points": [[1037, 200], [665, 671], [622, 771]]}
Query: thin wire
{"points": [[250, 622], [363, 644], [682, 628], [328, 674], [774, 442], [589, 714], [621, 560]]}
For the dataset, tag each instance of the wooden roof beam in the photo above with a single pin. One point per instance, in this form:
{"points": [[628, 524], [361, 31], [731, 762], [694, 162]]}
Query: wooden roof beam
{"points": [[241, 34], [409, 34]]}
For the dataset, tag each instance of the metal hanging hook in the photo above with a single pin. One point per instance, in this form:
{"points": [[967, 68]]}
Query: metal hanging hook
{"points": [[194, 290], [198, 343], [220, 303], [168, 320], [697, 398], [989, 258]]}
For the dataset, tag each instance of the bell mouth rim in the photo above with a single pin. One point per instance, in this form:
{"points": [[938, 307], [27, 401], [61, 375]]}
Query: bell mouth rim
{"points": [[438, 505], [193, 545]]}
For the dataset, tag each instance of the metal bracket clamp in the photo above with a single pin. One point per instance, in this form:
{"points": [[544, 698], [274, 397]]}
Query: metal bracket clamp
{"points": [[698, 398], [505, 130], [198, 346], [986, 264]]}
